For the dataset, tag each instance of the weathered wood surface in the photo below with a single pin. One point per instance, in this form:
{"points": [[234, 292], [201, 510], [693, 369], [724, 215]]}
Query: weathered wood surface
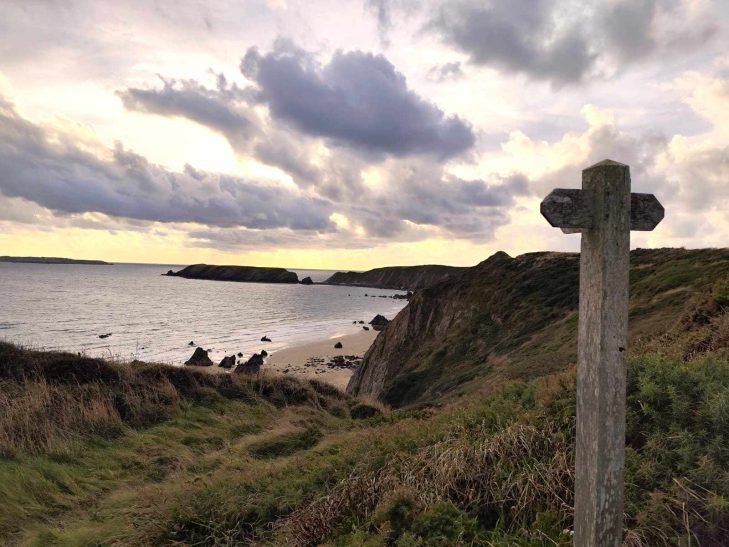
{"points": [[645, 212], [604, 211], [602, 339], [567, 208], [572, 210]]}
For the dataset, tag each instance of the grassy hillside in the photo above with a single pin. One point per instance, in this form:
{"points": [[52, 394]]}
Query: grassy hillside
{"points": [[516, 318], [82, 440], [396, 277], [276, 462], [98, 453]]}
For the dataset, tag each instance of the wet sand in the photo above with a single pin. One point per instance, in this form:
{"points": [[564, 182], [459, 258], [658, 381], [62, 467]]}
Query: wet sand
{"points": [[295, 358]]}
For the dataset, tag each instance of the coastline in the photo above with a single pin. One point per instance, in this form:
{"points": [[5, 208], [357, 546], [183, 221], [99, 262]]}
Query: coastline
{"points": [[296, 360]]}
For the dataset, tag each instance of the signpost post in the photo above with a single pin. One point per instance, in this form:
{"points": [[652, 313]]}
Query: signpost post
{"points": [[605, 212]]}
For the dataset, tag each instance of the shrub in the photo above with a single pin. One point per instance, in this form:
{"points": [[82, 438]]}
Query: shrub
{"points": [[362, 410]]}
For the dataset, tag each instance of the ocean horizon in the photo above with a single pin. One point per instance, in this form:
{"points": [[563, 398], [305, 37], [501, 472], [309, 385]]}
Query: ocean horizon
{"points": [[153, 317]]}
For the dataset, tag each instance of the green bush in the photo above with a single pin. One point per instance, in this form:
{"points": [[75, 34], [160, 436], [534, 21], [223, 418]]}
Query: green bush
{"points": [[362, 411]]}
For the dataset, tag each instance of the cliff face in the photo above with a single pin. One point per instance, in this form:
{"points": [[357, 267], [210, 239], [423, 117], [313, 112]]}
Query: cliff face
{"points": [[250, 274], [405, 278], [516, 318]]}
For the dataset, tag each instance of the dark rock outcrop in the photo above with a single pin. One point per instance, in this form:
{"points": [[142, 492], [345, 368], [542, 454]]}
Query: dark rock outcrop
{"points": [[105, 335], [307, 281], [199, 358], [396, 277], [244, 274], [338, 345], [227, 362], [265, 339], [379, 322], [264, 353], [251, 366]]}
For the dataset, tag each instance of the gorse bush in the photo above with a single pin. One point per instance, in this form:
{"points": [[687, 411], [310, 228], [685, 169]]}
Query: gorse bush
{"points": [[504, 473]]}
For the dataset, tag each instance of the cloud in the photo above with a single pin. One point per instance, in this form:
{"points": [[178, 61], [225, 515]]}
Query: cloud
{"points": [[382, 12], [634, 29], [222, 109], [357, 99], [445, 72], [55, 174], [687, 175], [515, 36], [546, 40], [416, 200], [420, 195], [627, 26]]}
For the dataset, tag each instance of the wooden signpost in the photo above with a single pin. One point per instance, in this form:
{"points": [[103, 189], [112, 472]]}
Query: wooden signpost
{"points": [[604, 211]]}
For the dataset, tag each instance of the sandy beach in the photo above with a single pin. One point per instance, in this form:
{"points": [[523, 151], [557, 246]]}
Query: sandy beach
{"points": [[306, 359]]}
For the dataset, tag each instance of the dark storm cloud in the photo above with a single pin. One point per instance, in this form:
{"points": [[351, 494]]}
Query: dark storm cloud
{"points": [[59, 176], [513, 36], [358, 99], [631, 32], [220, 109], [543, 40], [626, 27]]}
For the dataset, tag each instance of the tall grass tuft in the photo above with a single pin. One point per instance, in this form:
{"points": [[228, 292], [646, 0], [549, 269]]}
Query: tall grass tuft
{"points": [[47, 398]]}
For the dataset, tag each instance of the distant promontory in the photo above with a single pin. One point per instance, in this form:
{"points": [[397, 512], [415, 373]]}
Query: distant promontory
{"points": [[405, 278], [245, 274], [51, 260]]}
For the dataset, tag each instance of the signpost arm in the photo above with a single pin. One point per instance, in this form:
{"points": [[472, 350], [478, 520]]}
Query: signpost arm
{"points": [[602, 334]]}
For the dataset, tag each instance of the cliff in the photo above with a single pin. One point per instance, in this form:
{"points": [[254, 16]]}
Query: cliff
{"points": [[248, 274], [516, 318], [405, 278], [51, 260]]}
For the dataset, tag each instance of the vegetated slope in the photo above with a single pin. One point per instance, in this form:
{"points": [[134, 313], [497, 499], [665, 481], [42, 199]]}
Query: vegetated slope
{"points": [[500, 471], [509, 318], [146, 455], [406, 278], [76, 431], [495, 470], [249, 274]]}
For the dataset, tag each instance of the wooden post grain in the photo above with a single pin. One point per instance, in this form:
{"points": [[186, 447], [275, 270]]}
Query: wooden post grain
{"points": [[602, 339], [604, 211]]}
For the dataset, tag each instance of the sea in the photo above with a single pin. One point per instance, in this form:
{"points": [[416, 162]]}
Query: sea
{"points": [[152, 317]]}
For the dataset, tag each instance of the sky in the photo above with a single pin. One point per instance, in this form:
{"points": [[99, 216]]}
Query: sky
{"points": [[351, 134]]}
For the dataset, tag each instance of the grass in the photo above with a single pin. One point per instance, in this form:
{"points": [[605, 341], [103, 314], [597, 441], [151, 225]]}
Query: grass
{"points": [[501, 473], [488, 472], [96, 453], [516, 319], [81, 439]]}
